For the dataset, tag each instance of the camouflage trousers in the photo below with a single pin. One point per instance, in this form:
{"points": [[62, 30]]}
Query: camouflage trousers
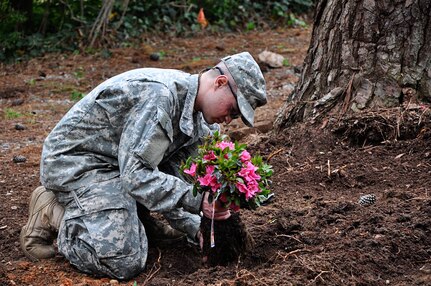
{"points": [[100, 233]]}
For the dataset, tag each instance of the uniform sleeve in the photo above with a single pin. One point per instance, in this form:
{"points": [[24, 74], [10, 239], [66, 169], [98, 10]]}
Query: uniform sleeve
{"points": [[146, 137]]}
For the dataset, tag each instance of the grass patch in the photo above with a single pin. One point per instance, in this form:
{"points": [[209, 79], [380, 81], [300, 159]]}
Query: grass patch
{"points": [[76, 95], [10, 113]]}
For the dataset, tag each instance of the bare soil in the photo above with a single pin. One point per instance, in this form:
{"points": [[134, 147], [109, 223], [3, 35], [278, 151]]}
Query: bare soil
{"points": [[313, 233]]}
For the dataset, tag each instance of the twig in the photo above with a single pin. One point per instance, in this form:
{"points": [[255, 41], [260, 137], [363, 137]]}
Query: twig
{"points": [[329, 169], [291, 253], [288, 236], [319, 276], [158, 267], [274, 153], [125, 5], [248, 273], [101, 21], [284, 173], [418, 198], [420, 117], [296, 251], [262, 225]]}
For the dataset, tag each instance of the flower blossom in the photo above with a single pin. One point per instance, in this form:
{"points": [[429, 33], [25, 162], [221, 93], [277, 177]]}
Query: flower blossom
{"points": [[192, 170], [209, 179], [245, 156], [210, 156], [249, 190], [223, 144], [249, 172]]}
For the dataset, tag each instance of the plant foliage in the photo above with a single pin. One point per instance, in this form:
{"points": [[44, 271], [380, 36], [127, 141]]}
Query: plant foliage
{"points": [[52, 26], [229, 173]]}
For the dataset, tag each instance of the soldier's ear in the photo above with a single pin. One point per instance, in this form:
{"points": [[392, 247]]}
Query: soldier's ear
{"points": [[221, 80]]}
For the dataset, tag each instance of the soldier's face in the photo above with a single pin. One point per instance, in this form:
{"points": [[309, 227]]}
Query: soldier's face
{"points": [[221, 106]]}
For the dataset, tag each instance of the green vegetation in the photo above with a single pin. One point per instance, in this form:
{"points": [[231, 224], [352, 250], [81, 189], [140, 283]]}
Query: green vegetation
{"points": [[32, 28], [76, 95], [10, 113]]}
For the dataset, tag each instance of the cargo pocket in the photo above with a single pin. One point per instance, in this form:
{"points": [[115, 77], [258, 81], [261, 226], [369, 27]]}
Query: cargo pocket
{"points": [[105, 226]]}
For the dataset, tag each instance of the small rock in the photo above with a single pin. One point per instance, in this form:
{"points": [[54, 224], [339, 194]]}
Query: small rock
{"points": [[264, 126], [271, 59], [113, 282], [19, 159], [154, 56], [19, 126], [17, 101]]}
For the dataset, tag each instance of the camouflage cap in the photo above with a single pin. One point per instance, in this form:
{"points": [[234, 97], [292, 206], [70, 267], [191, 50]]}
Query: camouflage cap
{"points": [[251, 86]]}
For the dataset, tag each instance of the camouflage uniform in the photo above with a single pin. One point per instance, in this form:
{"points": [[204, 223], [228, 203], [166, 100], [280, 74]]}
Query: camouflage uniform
{"points": [[120, 145]]}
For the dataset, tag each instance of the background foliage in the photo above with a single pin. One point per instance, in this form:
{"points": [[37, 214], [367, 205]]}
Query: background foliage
{"points": [[32, 28]]}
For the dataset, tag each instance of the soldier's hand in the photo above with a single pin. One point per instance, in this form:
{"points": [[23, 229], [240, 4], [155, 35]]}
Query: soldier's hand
{"points": [[220, 213]]}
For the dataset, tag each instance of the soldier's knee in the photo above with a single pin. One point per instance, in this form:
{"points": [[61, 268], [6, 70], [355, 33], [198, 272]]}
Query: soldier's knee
{"points": [[126, 268]]}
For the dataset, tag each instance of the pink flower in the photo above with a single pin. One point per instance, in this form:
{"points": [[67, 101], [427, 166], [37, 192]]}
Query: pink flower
{"points": [[209, 180], [210, 156], [215, 186], [223, 144], [192, 170], [245, 156], [209, 169], [253, 187], [249, 172], [244, 189], [250, 190], [206, 180]]}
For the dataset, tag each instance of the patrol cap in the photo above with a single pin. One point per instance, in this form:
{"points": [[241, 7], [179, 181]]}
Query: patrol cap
{"points": [[251, 86]]}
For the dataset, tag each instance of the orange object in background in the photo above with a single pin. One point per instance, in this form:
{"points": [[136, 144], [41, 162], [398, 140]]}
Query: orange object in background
{"points": [[201, 18]]}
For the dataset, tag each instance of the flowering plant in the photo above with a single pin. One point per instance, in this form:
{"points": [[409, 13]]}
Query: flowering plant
{"points": [[229, 173]]}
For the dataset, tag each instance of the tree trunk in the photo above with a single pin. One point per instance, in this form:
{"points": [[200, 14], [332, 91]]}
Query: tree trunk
{"points": [[363, 54]]}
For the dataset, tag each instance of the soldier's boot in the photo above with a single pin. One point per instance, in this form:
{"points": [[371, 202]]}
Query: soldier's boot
{"points": [[45, 215], [158, 233]]}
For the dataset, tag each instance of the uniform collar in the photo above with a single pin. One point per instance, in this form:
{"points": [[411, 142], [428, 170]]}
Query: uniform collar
{"points": [[189, 119]]}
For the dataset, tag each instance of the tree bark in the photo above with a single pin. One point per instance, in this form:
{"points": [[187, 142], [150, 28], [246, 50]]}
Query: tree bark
{"points": [[363, 54]]}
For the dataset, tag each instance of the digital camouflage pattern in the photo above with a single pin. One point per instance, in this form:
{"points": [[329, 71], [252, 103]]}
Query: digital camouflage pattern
{"points": [[122, 144], [251, 86]]}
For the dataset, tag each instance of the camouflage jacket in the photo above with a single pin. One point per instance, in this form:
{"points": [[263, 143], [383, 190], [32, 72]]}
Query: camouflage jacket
{"points": [[127, 127]]}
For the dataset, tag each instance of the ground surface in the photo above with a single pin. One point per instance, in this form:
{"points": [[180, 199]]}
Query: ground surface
{"points": [[313, 233]]}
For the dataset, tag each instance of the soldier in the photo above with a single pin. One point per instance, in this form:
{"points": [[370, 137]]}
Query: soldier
{"points": [[114, 158]]}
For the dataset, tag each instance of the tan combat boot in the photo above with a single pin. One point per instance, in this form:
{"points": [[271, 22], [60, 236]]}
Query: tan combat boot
{"points": [[158, 233], [45, 215]]}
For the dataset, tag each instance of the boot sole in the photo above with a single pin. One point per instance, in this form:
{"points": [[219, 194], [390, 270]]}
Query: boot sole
{"points": [[33, 199]]}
